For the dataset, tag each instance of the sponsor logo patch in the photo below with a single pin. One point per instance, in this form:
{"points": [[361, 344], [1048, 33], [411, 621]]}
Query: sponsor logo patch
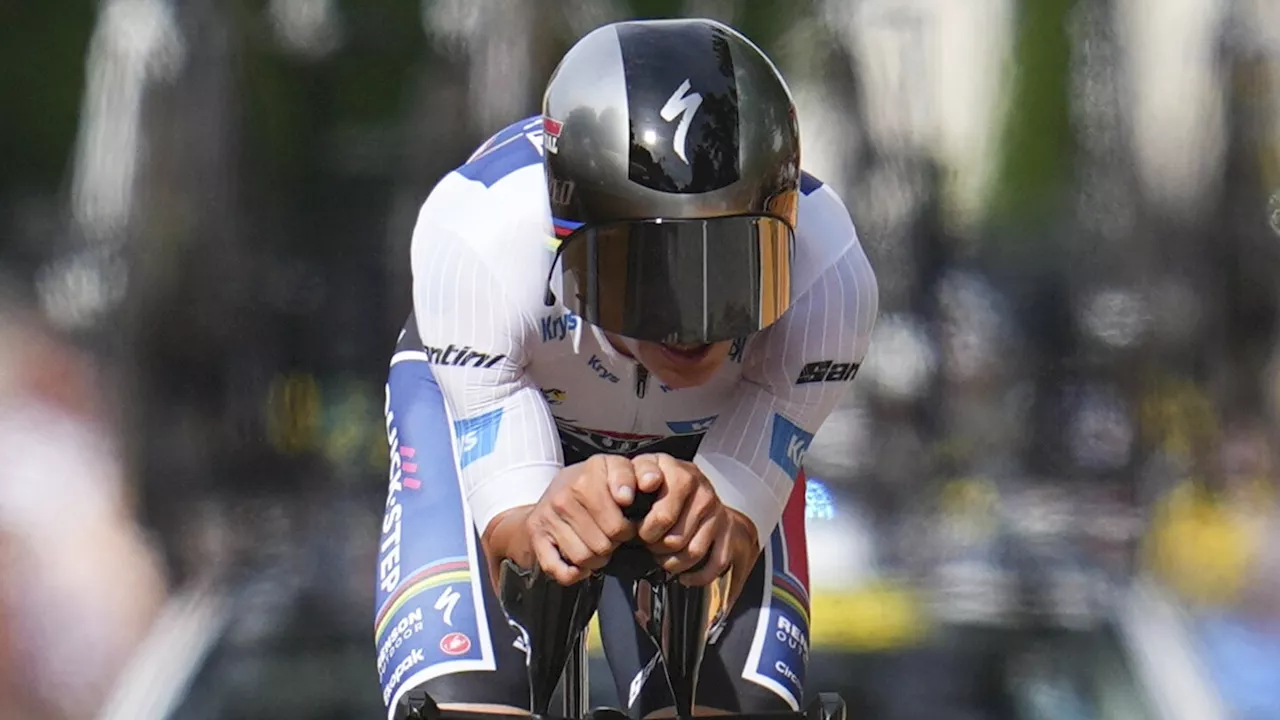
{"points": [[826, 371], [402, 631], [389, 549], [415, 657], [551, 130], [477, 436], [558, 327], [455, 643], [598, 365], [788, 444], [465, 356]]}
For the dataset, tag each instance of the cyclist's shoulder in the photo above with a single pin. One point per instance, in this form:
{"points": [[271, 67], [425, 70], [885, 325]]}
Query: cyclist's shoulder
{"points": [[822, 218], [515, 147], [825, 233], [495, 205], [501, 183]]}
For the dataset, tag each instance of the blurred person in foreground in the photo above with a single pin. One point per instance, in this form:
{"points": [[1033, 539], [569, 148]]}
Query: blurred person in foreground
{"points": [[78, 585], [637, 291]]}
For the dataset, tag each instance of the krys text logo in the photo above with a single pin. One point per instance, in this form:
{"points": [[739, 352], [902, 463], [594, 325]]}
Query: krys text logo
{"points": [[558, 328], [597, 364]]}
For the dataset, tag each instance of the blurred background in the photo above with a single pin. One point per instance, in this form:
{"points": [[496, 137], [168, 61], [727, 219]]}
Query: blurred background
{"points": [[1052, 493]]}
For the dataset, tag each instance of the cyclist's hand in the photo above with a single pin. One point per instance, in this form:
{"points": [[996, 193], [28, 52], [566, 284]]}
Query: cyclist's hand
{"points": [[578, 523], [688, 524]]}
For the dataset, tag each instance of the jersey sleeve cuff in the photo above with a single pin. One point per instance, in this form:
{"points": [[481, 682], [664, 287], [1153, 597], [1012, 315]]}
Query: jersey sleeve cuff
{"points": [[741, 489], [509, 489]]}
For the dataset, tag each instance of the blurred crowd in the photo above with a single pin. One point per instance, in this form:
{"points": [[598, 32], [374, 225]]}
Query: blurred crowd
{"points": [[1074, 383]]}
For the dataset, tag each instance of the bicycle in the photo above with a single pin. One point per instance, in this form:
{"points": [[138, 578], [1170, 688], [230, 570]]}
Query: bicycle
{"points": [[554, 619]]}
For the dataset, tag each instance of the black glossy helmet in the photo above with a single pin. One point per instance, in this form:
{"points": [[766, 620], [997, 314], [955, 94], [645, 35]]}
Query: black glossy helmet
{"points": [[673, 166]]}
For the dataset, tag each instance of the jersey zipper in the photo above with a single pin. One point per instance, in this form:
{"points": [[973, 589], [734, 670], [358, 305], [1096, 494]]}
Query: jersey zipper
{"points": [[641, 387]]}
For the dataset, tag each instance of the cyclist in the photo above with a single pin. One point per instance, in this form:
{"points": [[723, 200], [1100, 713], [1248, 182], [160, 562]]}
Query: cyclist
{"points": [[636, 290]]}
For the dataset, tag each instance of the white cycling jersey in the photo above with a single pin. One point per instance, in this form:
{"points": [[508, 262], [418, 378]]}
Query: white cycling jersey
{"points": [[525, 382]]}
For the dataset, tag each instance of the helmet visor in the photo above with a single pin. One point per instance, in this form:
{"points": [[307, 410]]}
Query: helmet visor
{"points": [[680, 281]]}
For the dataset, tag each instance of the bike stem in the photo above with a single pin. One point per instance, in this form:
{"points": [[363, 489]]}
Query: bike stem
{"points": [[554, 618], [680, 620]]}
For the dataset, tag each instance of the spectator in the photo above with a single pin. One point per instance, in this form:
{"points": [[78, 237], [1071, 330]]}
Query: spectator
{"points": [[78, 585]]}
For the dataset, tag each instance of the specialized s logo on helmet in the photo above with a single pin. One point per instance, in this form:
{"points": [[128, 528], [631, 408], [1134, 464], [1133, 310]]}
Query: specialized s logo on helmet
{"points": [[682, 104]]}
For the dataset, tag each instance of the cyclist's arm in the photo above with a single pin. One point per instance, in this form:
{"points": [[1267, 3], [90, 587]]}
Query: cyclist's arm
{"points": [[795, 373], [474, 331]]}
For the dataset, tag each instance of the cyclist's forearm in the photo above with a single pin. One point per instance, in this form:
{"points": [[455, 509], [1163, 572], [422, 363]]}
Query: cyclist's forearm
{"points": [[506, 537]]}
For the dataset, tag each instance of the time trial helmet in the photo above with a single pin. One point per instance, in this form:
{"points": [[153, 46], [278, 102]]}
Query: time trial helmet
{"points": [[672, 159]]}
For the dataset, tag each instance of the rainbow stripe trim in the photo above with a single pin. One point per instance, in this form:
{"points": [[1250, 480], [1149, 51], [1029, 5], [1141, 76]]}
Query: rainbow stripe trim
{"points": [[564, 228], [790, 592], [448, 570]]}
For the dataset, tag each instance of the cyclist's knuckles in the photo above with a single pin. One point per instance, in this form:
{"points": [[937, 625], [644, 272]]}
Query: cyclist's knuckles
{"points": [[600, 545], [656, 524], [615, 526], [562, 502]]}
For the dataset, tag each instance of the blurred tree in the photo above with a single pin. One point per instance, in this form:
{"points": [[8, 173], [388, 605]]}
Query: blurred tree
{"points": [[1243, 244], [1028, 216], [42, 49], [1035, 167]]}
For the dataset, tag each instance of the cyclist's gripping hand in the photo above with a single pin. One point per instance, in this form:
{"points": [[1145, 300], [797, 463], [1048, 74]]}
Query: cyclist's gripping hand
{"points": [[688, 523], [576, 525]]}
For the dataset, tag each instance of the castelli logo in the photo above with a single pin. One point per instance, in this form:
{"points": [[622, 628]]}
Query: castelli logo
{"points": [[455, 643]]}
